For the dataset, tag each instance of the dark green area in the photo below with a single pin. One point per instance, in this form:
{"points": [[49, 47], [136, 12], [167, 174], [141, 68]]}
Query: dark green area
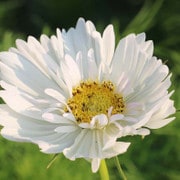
{"points": [[153, 158]]}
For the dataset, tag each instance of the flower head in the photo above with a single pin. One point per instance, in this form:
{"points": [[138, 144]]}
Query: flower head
{"points": [[75, 93]]}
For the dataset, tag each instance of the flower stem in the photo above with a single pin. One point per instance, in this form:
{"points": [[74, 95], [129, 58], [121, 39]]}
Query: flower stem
{"points": [[121, 173], [52, 161], [104, 174]]}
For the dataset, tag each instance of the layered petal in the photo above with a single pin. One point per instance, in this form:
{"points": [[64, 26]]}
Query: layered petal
{"points": [[51, 136], [23, 74]]}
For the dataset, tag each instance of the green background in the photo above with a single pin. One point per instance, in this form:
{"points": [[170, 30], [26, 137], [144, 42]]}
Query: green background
{"points": [[153, 158]]}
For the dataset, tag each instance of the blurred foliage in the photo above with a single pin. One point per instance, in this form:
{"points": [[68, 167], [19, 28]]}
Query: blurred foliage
{"points": [[158, 155]]}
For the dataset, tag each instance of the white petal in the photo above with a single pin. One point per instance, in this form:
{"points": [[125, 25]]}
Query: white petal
{"points": [[81, 146], [95, 143], [55, 118], [82, 64], [116, 117], [159, 123], [23, 74], [85, 125], [92, 66], [165, 107], [123, 85], [143, 120], [66, 129], [134, 109], [61, 142], [145, 46], [69, 116], [143, 132], [21, 128], [95, 164], [23, 103], [78, 39], [71, 73], [99, 121], [123, 55], [117, 148], [56, 95], [98, 47], [53, 47], [38, 56], [109, 43], [57, 46], [132, 57]]}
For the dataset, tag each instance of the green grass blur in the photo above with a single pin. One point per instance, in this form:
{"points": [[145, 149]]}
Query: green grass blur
{"points": [[153, 158]]}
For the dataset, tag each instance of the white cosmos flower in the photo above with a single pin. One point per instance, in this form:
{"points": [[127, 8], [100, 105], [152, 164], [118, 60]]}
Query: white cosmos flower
{"points": [[75, 93]]}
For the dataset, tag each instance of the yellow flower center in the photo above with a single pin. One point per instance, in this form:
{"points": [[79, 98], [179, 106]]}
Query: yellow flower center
{"points": [[92, 98]]}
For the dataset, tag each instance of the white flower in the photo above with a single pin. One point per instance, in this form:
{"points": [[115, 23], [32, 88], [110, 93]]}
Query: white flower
{"points": [[74, 93]]}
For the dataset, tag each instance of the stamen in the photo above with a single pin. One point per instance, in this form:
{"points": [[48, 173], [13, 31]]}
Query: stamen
{"points": [[91, 98]]}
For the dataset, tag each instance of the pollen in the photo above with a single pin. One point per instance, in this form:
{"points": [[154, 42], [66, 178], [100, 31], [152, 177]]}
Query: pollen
{"points": [[92, 98]]}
